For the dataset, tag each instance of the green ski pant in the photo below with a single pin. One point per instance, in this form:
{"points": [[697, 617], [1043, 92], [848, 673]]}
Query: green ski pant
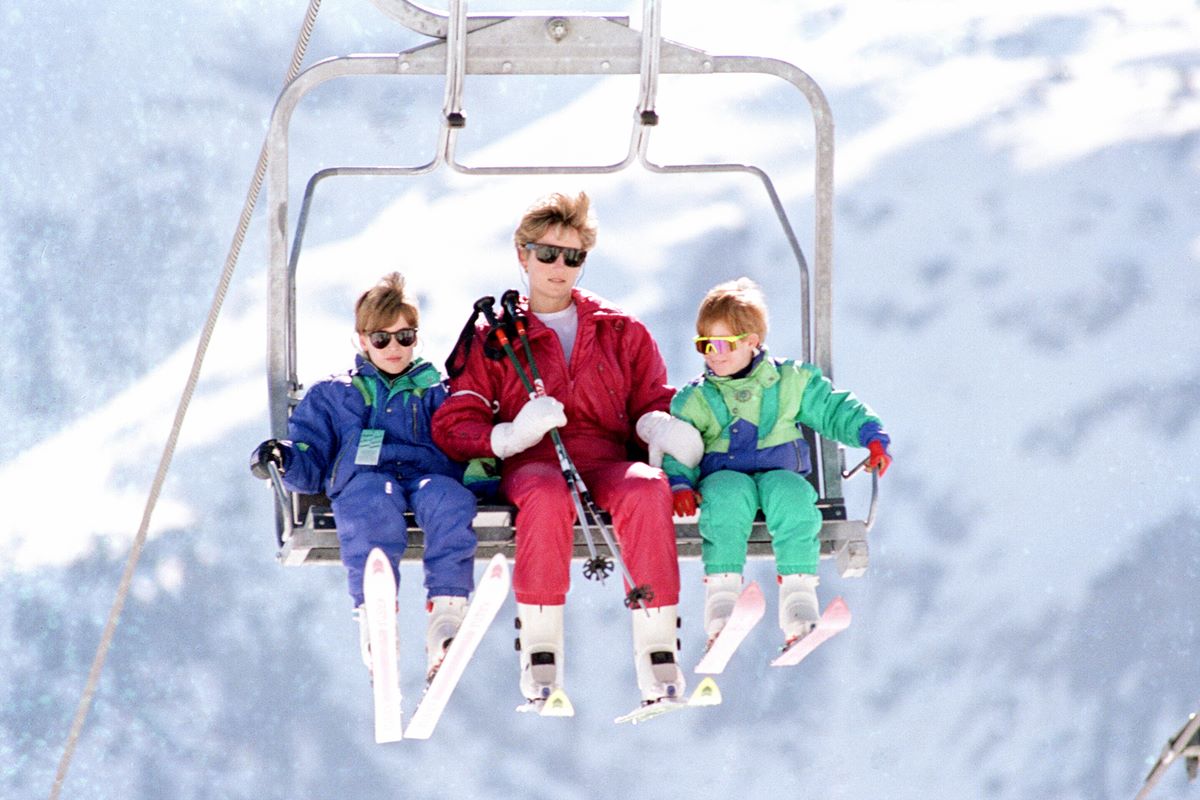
{"points": [[729, 503]]}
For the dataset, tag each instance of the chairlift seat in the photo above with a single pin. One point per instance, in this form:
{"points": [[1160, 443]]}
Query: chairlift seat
{"points": [[314, 540]]}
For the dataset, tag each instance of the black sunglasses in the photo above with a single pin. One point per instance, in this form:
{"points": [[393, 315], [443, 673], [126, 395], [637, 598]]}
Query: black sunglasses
{"points": [[405, 337], [548, 254]]}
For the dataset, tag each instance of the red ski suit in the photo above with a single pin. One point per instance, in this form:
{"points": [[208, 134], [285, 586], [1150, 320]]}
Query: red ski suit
{"points": [[616, 375]]}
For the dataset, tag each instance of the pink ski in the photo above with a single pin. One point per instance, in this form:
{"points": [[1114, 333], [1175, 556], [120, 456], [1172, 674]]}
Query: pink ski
{"points": [[835, 620], [746, 613]]}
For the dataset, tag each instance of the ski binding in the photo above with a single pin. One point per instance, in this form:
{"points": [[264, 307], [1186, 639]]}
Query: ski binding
{"points": [[706, 694]]}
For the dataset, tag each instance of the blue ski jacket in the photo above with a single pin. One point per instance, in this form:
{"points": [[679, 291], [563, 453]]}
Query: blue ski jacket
{"points": [[327, 445]]}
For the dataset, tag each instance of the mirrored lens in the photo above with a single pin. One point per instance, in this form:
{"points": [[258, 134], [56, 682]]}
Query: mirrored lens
{"points": [[405, 337], [704, 346]]}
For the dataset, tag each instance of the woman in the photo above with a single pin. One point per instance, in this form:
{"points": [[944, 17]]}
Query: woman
{"points": [[606, 389]]}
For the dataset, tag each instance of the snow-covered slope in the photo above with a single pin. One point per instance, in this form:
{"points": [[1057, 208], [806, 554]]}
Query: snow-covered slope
{"points": [[1017, 294]]}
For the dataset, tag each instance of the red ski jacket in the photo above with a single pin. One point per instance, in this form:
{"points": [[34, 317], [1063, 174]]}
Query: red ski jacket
{"points": [[616, 375]]}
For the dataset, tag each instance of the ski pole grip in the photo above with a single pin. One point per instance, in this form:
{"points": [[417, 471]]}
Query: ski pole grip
{"points": [[508, 302]]}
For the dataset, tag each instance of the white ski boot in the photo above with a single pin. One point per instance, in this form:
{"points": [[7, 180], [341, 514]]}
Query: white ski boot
{"points": [[721, 590], [446, 614], [364, 639], [799, 611], [656, 654], [540, 640], [364, 636]]}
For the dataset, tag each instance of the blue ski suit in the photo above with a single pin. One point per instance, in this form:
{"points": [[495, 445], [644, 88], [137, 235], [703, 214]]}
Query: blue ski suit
{"points": [[365, 441]]}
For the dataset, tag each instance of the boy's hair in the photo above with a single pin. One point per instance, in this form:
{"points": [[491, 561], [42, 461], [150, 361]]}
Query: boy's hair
{"points": [[739, 304], [556, 210], [379, 306]]}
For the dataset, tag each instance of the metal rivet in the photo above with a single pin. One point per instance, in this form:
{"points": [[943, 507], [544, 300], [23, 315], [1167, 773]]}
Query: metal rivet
{"points": [[557, 29]]}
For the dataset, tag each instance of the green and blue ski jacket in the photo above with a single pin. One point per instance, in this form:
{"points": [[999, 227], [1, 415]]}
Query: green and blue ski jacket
{"points": [[753, 423]]}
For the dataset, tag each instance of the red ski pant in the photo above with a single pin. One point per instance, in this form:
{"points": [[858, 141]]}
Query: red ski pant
{"points": [[637, 497]]}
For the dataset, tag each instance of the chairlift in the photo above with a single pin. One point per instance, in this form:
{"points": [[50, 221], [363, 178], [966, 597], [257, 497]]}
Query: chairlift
{"points": [[545, 45]]}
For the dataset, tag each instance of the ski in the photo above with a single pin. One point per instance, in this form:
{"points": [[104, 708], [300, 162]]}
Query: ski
{"points": [[747, 612], [379, 590], [489, 596], [1185, 743], [835, 620], [706, 694]]}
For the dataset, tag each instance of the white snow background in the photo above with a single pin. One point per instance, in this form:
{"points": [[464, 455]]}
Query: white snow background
{"points": [[1016, 294]]}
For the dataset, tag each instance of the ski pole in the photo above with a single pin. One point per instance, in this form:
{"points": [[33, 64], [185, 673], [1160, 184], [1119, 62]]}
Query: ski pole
{"points": [[597, 567], [584, 508], [638, 595]]}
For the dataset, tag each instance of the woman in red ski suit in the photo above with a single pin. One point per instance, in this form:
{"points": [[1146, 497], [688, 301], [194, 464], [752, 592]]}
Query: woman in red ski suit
{"points": [[608, 397]]}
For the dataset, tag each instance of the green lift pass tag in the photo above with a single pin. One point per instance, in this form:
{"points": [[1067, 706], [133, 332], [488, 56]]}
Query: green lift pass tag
{"points": [[369, 445]]}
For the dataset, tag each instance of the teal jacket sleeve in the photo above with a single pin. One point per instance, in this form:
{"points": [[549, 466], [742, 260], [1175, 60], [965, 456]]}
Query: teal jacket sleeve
{"points": [[837, 415]]}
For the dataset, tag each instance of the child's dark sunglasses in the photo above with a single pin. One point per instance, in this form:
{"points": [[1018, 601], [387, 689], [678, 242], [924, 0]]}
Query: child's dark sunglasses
{"points": [[405, 337], [548, 254]]}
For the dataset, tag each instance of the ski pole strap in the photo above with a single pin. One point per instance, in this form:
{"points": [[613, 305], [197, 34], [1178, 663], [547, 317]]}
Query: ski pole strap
{"points": [[456, 362]]}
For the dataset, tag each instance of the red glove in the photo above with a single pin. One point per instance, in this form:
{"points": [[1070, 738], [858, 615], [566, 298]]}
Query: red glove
{"points": [[879, 460], [685, 502]]}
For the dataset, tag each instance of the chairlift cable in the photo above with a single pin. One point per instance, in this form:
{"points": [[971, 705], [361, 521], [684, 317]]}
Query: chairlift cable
{"points": [[89, 691]]}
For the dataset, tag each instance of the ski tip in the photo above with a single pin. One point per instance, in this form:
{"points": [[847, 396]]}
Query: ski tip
{"points": [[377, 563], [707, 693], [837, 614], [497, 567], [557, 705]]}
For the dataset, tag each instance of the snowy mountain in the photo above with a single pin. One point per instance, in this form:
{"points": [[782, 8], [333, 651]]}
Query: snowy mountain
{"points": [[1017, 294]]}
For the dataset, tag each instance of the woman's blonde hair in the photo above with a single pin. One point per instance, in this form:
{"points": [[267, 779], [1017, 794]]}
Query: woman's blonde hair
{"points": [[557, 210]]}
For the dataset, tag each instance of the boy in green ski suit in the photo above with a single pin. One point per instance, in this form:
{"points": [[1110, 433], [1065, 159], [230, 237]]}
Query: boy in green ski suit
{"points": [[748, 409]]}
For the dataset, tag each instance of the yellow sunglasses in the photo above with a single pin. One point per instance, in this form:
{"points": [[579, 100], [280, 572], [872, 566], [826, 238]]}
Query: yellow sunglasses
{"points": [[717, 344]]}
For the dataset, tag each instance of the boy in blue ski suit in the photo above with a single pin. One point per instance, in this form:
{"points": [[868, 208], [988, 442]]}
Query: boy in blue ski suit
{"points": [[748, 409], [363, 438]]}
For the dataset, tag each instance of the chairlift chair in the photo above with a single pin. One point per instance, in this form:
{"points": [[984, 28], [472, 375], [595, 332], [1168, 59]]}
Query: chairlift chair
{"points": [[544, 45]]}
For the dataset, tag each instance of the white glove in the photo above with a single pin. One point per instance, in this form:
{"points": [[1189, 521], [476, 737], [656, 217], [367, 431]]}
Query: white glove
{"points": [[532, 423], [674, 437]]}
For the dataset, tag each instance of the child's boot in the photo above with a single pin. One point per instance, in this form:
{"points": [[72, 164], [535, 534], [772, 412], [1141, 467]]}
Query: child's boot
{"points": [[445, 617], [721, 590], [799, 611], [364, 636], [656, 653], [540, 640]]}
